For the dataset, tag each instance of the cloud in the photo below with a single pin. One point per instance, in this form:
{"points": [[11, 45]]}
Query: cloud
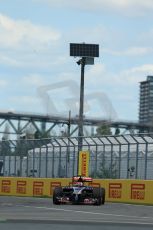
{"points": [[134, 7], [24, 44], [25, 99], [99, 77], [25, 103], [146, 36], [137, 74], [3, 83], [31, 60], [122, 87], [8, 60], [131, 51], [22, 33], [33, 80]]}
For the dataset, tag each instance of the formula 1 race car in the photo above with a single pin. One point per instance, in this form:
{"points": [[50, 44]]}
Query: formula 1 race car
{"points": [[79, 193]]}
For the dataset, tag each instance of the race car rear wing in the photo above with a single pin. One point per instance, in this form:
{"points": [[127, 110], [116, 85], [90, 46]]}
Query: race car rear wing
{"points": [[81, 179]]}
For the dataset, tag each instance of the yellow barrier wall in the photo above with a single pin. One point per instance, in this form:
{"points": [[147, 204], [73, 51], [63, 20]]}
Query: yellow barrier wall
{"points": [[129, 191]]}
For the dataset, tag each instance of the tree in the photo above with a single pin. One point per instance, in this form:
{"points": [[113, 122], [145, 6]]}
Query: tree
{"points": [[107, 170], [31, 132], [117, 131], [104, 129], [5, 148], [41, 134]]}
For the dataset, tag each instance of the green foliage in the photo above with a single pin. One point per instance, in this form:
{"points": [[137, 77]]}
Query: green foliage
{"points": [[104, 129], [32, 133], [107, 170], [117, 131], [5, 148], [40, 135]]}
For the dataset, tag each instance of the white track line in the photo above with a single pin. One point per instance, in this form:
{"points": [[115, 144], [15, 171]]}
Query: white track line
{"points": [[135, 205], [85, 212]]}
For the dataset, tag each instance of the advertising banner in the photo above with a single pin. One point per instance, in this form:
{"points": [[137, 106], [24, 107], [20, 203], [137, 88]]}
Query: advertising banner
{"points": [[115, 190], [124, 191], [84, 163]]}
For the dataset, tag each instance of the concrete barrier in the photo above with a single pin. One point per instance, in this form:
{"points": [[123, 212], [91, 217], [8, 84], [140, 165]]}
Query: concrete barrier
{"points": [[125, 191]]}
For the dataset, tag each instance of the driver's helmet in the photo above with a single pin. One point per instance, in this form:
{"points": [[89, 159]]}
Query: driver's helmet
{"points": [[78, 184]]}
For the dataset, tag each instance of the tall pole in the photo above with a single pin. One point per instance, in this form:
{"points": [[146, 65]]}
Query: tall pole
{"points": [[69, 133], [68, 146], [87, 52], [81, 110]]}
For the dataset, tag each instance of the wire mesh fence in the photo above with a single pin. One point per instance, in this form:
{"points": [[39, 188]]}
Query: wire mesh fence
{"points": [[124, 156]]}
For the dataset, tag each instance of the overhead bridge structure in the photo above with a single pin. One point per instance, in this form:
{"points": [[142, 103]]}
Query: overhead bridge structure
{"points": [[15, 123]]}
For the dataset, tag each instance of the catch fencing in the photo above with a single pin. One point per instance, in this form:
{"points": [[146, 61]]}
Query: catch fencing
{"points": [[124, 156]]}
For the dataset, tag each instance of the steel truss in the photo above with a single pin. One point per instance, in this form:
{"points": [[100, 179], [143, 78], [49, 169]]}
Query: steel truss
{"points": [[17, 123]]}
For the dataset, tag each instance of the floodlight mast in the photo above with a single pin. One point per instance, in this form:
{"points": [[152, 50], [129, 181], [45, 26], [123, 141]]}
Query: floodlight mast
{"points": [[81, 110], [87, 52]]}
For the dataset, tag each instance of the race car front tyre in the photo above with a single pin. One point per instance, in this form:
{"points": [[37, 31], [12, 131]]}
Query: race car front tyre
{"points": [[99, 194], [57, 193]]}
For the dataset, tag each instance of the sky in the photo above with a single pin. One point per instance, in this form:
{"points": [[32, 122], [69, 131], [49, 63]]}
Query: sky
{"points": [[37, 74]]}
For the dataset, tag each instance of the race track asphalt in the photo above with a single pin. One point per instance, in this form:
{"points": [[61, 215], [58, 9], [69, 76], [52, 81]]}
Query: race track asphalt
{"points": [[39, 213]]}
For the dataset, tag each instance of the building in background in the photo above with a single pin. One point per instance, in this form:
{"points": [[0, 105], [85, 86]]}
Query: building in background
{"points": [[146, 101]]}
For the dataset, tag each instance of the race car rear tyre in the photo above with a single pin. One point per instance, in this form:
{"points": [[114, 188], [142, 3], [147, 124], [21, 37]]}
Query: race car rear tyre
{"points": [[99, 194], [103, 195], [57, 193]]}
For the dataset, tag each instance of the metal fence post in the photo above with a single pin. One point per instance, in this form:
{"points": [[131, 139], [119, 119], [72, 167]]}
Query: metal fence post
{"points": [[111, 164], [53, 159], [46, 161], [96, 157], [146, 158], [137, 157]]}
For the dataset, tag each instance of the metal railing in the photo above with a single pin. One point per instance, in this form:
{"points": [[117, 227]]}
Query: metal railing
{"points": [[124, 156]]}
